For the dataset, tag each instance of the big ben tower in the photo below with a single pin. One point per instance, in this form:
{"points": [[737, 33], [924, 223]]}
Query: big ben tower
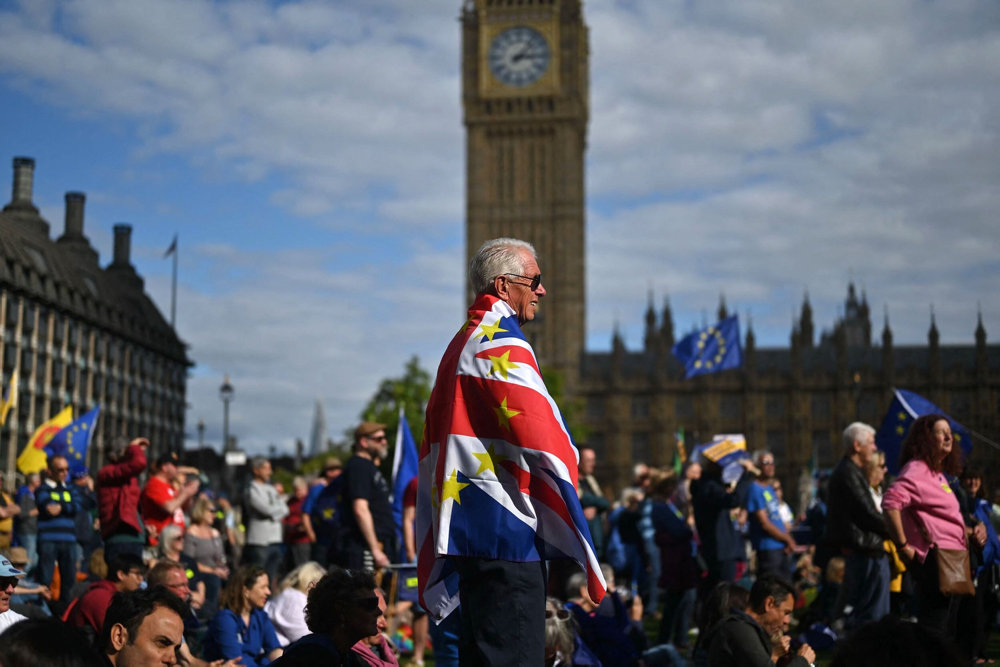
{"points": [[524, 92]]}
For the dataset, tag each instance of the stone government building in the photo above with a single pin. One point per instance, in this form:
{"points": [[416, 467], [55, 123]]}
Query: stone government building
{"points": [[794, 401], [82, 335], [525, 98]]}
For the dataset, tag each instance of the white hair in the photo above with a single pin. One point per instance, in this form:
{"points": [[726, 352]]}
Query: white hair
{"points": [[497, 257], [856, 433]]}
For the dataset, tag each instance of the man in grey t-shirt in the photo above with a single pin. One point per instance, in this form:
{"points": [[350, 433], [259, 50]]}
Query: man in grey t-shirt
{"points": [[265, 510]]}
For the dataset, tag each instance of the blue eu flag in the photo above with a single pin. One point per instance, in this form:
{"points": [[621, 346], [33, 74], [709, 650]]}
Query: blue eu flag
{"points": [[905, 408], [712, 349], [72, 441]]}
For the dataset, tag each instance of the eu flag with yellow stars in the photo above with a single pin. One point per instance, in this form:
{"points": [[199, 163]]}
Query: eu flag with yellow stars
{"points": [[905, 408], [713, 349], [73, 440]]}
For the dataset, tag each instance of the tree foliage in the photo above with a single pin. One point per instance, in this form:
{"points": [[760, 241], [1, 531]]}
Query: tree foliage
{"points": [[411, 391]]}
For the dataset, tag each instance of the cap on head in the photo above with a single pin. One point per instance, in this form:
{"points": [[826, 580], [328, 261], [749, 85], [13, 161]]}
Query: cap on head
{"points": [[332, 463], [7, 568], [168, 457], [366, 429]]}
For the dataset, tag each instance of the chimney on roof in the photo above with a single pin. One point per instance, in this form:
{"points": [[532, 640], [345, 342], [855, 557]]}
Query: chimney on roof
{"points": [[73, 237], [74, 215], [24, 178], [20, 206], [123, 244]]}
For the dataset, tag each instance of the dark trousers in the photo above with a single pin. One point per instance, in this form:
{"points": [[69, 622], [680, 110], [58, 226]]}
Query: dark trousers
{"points": [[773, 561], [502, 612], [865, 590], [950, 615], [266, 556], [49, 552]]}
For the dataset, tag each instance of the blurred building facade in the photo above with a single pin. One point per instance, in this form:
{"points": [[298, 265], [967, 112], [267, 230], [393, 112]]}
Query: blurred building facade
{"points": [[82, 335], [795, 401], [525, 97]]}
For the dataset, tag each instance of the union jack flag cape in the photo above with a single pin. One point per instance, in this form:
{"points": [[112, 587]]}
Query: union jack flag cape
{"points": [[498, 468]]}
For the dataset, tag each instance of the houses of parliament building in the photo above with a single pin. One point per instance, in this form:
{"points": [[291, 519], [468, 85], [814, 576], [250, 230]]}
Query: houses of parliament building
{"points": [[525, 102]]}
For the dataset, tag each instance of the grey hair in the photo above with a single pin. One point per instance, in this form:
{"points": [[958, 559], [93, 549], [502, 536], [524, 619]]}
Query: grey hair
{"points": [[759, 455], [495, 258], [118, 447], [257, 462], [576, 581], [854, 433], [560, 635]]}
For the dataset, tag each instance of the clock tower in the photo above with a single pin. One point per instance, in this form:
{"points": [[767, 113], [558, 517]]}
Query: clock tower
{"points": [[524, 93]]}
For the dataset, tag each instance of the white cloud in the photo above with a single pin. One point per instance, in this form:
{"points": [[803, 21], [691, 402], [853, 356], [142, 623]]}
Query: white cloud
{"points": [[759, 149]]}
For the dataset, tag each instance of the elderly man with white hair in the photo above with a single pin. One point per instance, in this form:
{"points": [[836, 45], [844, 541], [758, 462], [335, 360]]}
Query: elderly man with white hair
{"points": [[855, 528]]}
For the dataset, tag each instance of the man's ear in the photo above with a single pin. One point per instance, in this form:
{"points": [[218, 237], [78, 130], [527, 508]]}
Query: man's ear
{"points": [[119, 637], [500, 287]]}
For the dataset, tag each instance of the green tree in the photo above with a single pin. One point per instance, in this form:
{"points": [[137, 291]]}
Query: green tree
{"points": [[412, 392]]}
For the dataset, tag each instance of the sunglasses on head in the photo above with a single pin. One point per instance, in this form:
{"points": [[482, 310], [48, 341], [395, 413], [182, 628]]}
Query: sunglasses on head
{"points": [[558, 614]]}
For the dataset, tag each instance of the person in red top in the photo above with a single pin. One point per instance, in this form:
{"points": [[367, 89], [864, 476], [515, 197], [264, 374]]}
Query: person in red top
{"points": [[118, 494], [125, 573], [295, 535], [161, 502]]}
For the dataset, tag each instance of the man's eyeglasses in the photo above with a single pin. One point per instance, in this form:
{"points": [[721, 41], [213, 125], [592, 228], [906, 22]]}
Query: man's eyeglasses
{"points": [[535, 280], [60, 470], [378, 438], [6, 582], [767, 462]]}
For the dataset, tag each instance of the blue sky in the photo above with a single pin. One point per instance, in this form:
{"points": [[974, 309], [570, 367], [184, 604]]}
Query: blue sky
{"points": [[310, 155]]}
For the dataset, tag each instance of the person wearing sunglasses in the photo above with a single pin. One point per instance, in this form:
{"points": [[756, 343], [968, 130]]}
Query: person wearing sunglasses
{"points": [[9, 576], [496, 496], [369, 528], [57, 508]]}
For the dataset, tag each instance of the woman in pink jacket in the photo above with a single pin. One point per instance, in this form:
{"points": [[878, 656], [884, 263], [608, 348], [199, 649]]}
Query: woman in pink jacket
{"points": [[922, 513]]}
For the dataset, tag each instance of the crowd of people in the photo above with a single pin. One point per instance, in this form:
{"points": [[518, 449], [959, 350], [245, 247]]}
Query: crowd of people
{"points": [[144, 564], [900, 572], [864, 552]]}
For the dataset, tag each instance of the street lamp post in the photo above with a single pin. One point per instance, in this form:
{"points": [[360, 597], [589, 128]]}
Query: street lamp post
{"points": [[226, 394]]}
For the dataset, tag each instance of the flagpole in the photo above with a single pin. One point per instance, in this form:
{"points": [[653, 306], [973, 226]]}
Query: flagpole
{"points": [[173, 292], [984, 439]]}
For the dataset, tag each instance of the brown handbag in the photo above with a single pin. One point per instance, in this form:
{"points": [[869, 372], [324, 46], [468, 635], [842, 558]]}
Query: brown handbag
{"points": [[954, 572]]}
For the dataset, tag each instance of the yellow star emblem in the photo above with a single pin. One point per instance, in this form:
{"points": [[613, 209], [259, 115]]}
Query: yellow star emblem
{"points": [[502, 364], [487, 460], [504, 414], [465, 325], [452, 487], [490, 330]]}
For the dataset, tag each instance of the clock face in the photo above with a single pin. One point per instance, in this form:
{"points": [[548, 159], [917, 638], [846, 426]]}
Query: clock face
{"points": [[519, 56]]}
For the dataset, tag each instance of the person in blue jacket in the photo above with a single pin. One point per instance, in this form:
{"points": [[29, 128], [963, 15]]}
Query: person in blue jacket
{"points": [[242, 629], [57, 508]]}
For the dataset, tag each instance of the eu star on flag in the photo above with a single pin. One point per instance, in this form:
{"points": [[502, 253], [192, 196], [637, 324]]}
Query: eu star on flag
{"points": [[73, 440], [712, 349]]}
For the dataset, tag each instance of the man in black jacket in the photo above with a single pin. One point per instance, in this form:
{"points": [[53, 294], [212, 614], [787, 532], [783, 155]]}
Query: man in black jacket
{"points": [[755, 637], [855, 529]]}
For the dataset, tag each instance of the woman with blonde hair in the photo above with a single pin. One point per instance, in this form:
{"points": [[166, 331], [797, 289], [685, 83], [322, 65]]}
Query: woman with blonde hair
{"points": [[287, 609], [203, 544]]}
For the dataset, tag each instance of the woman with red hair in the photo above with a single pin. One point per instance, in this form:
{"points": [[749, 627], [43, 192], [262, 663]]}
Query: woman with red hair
{"points": [[923, 515]]}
